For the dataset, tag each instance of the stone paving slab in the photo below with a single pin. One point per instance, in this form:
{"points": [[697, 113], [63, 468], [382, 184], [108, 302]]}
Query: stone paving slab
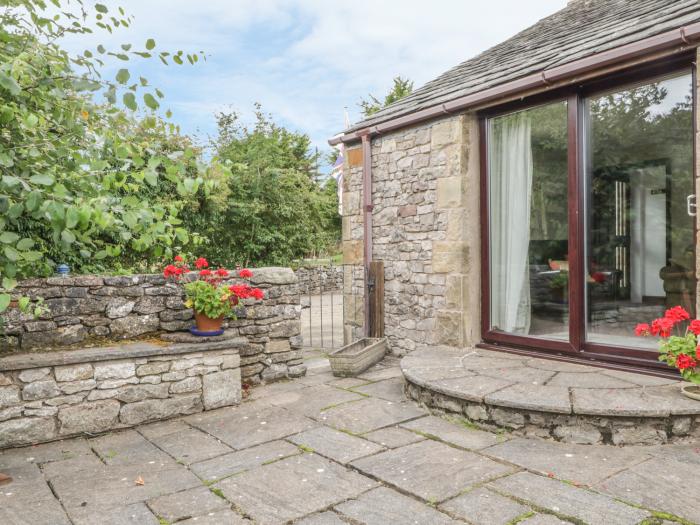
{"points": [[431, 470], [483, 506], [583, 464], [45, 452], [236, 462], [117, 485], [129, 448], [134, 514], [292, 488], [190, 503], [336, 445], [323, 518], [389, 389], [535, 376], [28, 486], [472, 388], [382, 506], [78, 465], [589, 380], [393, 437], [537, 398], [567, 500], [313, 400], [253, 427], [544, 519], [191, 445], [43, 512], [453, 433], [379, 374], [369, 414], [222, 517], [659, 484]]}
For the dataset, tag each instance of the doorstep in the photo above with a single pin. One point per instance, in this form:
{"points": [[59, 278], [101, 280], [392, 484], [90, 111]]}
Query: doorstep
{"points": [[553, 399]]}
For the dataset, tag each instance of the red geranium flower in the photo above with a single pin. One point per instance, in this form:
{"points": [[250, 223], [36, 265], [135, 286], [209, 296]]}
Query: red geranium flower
{"points": [[684, 361], [662, 326], [677, 314], [201, 263], [221, 272], [170, 271], [241, 291], [642, 329], [178, 258], [205, 273], [257, 293], [245, 273], [695, 326]]}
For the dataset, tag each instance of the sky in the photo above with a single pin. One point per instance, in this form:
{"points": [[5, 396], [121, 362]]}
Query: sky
{"points": [[306, 61]]}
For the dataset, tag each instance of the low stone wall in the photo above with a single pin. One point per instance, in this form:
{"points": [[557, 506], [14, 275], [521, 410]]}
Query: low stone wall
{"points": [[569, 428], [85, 308], [60, 394], [320, 280]]}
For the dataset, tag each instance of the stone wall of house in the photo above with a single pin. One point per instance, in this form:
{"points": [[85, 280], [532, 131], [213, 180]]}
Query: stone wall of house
{"points": [[89, 309], [320, 279], [425, 192], [42, 399]]}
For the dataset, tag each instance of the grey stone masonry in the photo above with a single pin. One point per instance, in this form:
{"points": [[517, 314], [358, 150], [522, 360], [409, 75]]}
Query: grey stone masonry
{"points": [[425, 228], [59, 394], [321, 279], [88, 310]]}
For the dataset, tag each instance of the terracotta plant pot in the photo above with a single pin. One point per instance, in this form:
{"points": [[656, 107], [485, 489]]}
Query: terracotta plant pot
{"points": [[691, 391], [206, 324]]}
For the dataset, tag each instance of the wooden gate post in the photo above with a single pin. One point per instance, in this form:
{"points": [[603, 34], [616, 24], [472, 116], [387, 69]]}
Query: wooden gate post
{"points": [[375, 286]]}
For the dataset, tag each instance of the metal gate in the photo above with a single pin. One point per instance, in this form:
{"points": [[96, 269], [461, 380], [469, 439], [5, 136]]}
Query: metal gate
{"points": [[323, 312]]}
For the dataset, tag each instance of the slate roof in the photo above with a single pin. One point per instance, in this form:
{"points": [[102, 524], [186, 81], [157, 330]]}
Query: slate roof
{"points": [[583, 28]]}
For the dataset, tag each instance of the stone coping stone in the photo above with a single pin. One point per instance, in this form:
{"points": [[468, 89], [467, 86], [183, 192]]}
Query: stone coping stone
{"points": [[472, 375], [110, 353]]}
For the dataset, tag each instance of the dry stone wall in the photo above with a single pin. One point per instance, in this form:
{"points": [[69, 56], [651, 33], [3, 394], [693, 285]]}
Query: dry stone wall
{"points": [[425, 193], [88, 308], [60, 394], [320, 280]]}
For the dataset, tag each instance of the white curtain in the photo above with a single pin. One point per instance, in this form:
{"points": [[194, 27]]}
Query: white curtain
{"points": [[510, 183]]}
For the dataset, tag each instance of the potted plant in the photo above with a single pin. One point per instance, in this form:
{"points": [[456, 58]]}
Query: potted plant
{"points": [[678, 348], [559, 287], [209, 295]]}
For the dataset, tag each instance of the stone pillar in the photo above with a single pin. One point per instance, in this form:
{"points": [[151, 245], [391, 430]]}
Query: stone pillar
{"points": [[458, 255], [353, 249]]}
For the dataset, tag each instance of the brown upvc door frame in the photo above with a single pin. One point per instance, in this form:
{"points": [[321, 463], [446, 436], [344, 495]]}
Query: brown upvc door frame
{"points": [[575, 96]]}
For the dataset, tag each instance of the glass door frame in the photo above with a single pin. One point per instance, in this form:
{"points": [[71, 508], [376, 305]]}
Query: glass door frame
{"points": [[575, 96]]}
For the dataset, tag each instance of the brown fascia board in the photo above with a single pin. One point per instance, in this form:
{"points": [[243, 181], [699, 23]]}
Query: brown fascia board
{"points": [[674, 41]]}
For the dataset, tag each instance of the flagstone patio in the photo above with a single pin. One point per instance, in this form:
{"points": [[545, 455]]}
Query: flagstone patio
{"points": [[324, 451]]}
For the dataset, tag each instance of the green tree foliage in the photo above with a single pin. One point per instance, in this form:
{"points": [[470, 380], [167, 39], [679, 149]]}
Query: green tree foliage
{"points": [[402, 87], [278, 209], [76, 181]]}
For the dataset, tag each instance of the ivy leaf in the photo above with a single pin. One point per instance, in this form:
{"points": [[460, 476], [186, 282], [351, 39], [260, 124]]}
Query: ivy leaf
{"points": [[151, 101], [8, 237], [5, 299], [42, 179], [11, 253], [123, 76], [130, 101], [10, 84], [101, 8], [68, 236]]}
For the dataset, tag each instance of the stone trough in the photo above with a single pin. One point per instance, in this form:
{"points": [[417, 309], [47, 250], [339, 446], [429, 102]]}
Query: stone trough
{"points": [[47, 396], [552, 399]]}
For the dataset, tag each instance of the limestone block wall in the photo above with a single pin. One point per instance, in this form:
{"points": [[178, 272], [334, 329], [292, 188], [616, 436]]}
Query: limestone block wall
{"points": [[42, 398], [91, 309], [425, 191]]}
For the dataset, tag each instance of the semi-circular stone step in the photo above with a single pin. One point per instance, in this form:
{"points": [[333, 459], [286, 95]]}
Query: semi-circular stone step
{"points": [[565, 401]]}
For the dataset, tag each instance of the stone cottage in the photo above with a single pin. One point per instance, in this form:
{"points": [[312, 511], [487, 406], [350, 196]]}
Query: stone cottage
{"points": [[539, 197]]}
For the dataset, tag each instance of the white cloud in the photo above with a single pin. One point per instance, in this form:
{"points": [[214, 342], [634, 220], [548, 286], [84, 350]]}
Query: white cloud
{"points": [[306, 60]]}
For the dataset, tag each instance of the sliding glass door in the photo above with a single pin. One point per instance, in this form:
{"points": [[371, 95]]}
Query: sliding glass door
{"points": [[528, 224], [640, 253], [590, 216]]}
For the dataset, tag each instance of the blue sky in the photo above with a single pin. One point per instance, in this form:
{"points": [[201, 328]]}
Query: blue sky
{"points": [[306, 60]]}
